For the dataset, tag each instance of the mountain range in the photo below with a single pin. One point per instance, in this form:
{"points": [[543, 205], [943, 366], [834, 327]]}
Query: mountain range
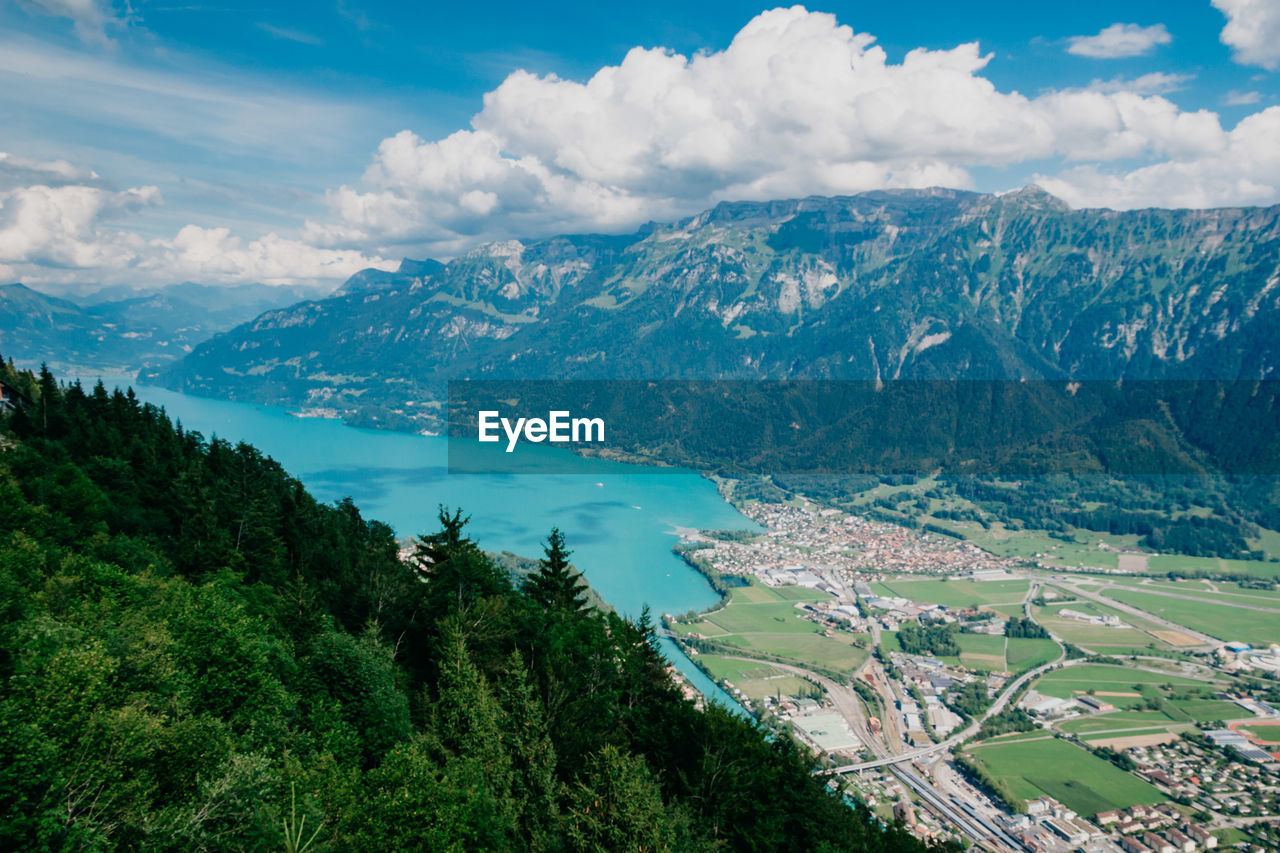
{"points": [[926, 284], [124, 329]]}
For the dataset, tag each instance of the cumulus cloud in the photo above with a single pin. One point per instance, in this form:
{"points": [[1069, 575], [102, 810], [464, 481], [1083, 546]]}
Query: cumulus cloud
{"points": [[1252, 31], [1120, 40], [796, 104], [61, 226], [63, 229], [214, 254], [1243, 169]]}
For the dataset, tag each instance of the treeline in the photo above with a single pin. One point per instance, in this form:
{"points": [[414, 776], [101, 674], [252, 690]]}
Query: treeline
{"points": [[996, 789], [198, 655], [1019, 626], [1156, 509], [1011, 719], [928, 638]]}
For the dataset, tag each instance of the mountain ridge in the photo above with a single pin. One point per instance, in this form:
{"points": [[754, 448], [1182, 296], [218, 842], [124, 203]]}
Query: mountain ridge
{"points": [[125, 329], [889, 284]]}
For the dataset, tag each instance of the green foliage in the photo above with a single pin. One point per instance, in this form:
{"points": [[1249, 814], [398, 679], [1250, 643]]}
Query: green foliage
{"points": [[928, 638], [555, 584], [1018, 626], [1011, 719], [199, 656], [969, 698]]}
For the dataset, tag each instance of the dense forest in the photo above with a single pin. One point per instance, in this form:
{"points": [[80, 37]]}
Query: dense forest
{"points": [[198, 655]]}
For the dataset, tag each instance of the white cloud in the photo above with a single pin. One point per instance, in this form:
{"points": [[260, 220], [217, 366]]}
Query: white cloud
{"points": [[1155, 83], [1119, 40], [795, 105], [184, 102], [214, 254], [61, 226], [289, 34], [1245, 170], [21, 171], [90, 17], [64, 231], [1252, 31], [1236, 98]]}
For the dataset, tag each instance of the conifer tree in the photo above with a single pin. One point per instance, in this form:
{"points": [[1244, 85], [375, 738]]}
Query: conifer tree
{"points": [[556, 585]]}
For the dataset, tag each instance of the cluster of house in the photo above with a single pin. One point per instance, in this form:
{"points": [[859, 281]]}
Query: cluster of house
{"points": [[1215, 781], [1156, 829], [687, 690], [833, 540], [898, 610]]}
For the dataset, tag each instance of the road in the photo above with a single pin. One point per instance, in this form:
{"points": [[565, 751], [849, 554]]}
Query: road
{"points": [[996, 707], [847, 703]]}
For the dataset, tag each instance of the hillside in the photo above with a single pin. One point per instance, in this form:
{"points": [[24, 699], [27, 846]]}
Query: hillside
{"points": [[199, 656], [926, 284], [122, 329]]}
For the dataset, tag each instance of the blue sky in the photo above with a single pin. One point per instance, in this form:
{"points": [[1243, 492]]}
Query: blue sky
{"points": [[233, 141]]}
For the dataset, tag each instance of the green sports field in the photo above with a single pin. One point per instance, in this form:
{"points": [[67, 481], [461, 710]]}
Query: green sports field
{"points": [[1070, 774]]}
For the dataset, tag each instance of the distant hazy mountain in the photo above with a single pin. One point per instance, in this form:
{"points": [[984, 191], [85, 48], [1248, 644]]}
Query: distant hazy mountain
{"points": [[126, 329], [905, 284]]}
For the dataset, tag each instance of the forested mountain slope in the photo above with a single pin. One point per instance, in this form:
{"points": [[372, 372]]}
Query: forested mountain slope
{"points": [[199, 656]]}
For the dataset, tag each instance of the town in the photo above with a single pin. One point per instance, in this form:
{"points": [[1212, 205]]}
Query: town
{"points": [[993, 701]]}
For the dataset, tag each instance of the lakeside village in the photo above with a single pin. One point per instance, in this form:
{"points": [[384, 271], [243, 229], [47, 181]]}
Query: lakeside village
{"points": [[810, 606]]}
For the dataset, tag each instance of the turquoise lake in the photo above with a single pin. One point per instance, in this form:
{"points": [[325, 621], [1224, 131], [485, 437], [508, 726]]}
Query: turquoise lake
{"points": [[619, 519]]}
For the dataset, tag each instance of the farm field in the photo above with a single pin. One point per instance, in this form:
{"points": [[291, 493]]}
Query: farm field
{"points": [[986, 653], [755, 680], [1085, 726], [1084, 634], [1141, 696], [760, 619], [1070, 774], [1162, 563], [954, 593], [1071, 681], [1217, 620], [1216, 591], [1027, 653]]}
